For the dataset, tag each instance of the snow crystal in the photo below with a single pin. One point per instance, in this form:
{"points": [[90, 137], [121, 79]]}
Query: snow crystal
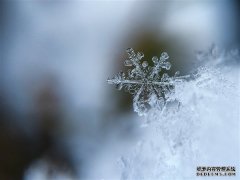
{"points": [[145, 82]]}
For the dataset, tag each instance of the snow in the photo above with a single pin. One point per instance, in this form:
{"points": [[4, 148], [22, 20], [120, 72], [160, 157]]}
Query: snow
{"points": [[199, 127]]}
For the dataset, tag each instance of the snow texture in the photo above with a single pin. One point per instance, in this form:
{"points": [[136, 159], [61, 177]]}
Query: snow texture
{"points": [[189, 130]]}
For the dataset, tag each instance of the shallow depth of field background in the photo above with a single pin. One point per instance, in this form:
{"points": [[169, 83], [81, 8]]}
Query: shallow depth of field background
{"points": [[58, 116]]}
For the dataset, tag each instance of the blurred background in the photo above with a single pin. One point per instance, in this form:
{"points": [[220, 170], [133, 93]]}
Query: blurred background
{"points": [[59, 119]]}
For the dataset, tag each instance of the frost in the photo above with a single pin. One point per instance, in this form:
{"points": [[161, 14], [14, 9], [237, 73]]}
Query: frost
{"points": [[171, 146], [145, 82]]}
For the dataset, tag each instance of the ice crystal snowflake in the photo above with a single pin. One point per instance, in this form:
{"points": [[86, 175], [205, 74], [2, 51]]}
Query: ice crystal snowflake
{"points": [[149, 88]]}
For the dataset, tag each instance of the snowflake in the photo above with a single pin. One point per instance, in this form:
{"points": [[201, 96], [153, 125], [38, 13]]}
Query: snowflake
{"points": [[149, 88]]}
